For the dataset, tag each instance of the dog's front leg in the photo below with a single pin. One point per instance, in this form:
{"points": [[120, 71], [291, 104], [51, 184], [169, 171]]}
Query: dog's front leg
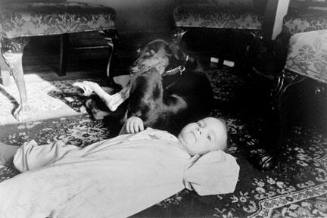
{"points": [[111, 101], [117, 99]]}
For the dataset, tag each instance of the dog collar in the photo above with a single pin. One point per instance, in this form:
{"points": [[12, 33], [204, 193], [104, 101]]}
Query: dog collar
{"points": [[180, 69]]}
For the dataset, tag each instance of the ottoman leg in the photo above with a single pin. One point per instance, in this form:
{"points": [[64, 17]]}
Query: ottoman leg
{"points": [[64, 41], [5, 70], [5, 76], [111, 38], [275, 127], [111, 45], [14, 58]]}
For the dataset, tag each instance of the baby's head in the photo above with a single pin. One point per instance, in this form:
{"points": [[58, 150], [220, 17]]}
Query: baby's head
{"points": [[208, 134]]}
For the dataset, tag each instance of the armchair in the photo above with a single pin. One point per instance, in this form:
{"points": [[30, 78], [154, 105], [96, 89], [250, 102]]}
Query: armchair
{"points": [[305, 26]]}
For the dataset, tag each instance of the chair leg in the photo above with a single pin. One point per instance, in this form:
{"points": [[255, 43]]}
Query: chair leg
{"points": [[64, 43], [14, 57]]}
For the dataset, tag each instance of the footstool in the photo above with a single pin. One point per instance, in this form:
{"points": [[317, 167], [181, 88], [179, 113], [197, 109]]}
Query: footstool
{"points": [[20, 21], [233, 18]]}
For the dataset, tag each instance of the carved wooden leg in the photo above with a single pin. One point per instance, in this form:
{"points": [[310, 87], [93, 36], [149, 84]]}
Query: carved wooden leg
{"points": [[13, 56], [64, 43], [284, 82], [275, 128], [4, 68], [111, 45], [5, 73], [111, 38]]}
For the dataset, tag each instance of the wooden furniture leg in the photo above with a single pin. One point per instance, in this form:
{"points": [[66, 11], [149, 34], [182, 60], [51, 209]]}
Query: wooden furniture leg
{"points": [[110, 37], [14, 58], [283, 83], [64, 43], [4, 69], [279, 121]]}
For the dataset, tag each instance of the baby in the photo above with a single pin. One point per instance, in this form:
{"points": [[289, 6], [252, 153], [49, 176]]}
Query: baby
{"points": [[62, 179], [196, 138], [206, 135], [201, 137]]}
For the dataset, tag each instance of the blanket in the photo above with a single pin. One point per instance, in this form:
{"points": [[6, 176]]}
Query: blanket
{"points": [[113, 178]]}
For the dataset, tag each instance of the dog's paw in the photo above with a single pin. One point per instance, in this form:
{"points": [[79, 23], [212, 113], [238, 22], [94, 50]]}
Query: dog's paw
{"points": [[86, 89]]}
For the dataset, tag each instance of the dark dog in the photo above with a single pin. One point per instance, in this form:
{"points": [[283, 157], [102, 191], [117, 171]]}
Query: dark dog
{"points": [[163, 90], [165, 93]]}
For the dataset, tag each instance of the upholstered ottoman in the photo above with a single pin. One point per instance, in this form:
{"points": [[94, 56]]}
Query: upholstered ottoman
{"points": [[300, 20], [19, 21], [225, 14], [306, 27], [306, 59], [230, 23]]}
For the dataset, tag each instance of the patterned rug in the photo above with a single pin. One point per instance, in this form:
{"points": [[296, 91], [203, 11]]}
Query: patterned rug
{"points": [[298, 188], [46, 99]]}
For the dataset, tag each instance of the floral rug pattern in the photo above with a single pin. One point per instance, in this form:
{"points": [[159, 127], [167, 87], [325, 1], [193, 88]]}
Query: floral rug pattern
{"points": [[46, 100], [298, 188]]}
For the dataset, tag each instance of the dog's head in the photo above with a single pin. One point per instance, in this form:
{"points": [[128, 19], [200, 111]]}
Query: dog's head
{"points": [[160, 55]]}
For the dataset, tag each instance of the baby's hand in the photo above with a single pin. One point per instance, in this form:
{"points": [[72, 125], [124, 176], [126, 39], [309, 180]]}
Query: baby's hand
{"points": [[134, 125]]}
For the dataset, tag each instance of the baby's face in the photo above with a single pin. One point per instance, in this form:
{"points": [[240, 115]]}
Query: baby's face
{"points": [[206, 135]]}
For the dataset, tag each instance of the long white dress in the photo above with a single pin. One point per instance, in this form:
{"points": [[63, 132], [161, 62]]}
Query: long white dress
{"points": [[113, 178]]}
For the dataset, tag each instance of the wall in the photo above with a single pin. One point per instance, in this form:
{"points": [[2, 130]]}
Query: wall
{"points": [[140, 15]]}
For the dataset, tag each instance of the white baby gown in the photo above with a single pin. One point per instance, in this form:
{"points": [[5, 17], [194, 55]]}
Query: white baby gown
{"points": [[114, 178]]}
